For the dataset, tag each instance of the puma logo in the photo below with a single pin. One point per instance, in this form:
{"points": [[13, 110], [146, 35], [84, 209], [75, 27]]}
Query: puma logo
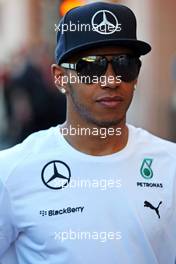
{"points": [[147, 204]]}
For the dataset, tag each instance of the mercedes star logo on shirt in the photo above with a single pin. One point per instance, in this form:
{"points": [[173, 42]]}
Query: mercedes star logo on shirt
{"points": [[105, 22], [56, 174]]}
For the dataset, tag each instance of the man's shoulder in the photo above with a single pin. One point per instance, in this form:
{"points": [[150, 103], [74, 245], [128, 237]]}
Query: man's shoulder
{"points": [[153, 142], [32, 145]]}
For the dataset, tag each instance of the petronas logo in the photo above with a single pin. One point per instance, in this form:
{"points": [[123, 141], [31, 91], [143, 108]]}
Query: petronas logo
{"points": [[146, 170]]}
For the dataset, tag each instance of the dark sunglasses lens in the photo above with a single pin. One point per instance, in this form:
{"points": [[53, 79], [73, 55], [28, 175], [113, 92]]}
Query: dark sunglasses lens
{"points": [[90, 67], [127, 67]]}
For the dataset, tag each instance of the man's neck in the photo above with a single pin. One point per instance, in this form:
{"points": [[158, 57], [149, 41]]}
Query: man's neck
{"points": [[94, 140]]}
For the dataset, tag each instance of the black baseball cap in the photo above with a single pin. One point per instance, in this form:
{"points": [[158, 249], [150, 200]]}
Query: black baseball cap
{"points": [[96, 25]]}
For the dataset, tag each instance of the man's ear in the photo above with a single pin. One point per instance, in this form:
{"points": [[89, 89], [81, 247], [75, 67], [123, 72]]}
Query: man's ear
{"points": [[58, 75]]}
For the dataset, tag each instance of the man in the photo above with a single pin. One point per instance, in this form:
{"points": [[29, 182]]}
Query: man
{"points": [[95, 189]]}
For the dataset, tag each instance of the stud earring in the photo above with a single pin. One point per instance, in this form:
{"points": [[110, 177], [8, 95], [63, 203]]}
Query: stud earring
{"points": [[63, 91], [135, 87]]}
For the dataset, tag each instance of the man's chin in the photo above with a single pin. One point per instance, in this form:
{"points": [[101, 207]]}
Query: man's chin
{"points": [[107, 123]]}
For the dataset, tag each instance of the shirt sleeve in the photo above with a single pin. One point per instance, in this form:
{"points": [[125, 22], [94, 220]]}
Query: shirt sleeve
{"points": [[8, 231]]}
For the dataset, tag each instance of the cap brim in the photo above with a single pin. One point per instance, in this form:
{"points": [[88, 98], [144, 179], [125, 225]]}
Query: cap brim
{"points": [[139, 47]]}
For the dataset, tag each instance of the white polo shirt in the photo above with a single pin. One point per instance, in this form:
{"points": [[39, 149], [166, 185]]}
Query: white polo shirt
{"points": [[62, 206]]}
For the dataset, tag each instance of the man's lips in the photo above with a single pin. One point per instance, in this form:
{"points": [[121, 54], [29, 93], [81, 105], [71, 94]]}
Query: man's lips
{"points": [[109, 101]]}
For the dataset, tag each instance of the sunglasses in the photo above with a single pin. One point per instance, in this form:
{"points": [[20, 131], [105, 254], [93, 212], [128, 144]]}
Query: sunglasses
{"points": [[126, 66]]}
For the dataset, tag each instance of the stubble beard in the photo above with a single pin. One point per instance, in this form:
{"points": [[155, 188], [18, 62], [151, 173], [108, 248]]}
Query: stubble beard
{"points": [[85, 114]]}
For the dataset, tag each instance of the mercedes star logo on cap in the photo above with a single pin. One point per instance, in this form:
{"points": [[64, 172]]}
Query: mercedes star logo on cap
{"points": [[56, 174], [108, 25]]}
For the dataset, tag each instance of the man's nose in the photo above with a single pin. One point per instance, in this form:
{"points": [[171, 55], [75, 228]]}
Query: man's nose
{"points": [[110, 80]]}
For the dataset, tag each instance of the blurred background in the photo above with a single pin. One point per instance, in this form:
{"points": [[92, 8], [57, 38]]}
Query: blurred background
{"points": [[29, 100]]}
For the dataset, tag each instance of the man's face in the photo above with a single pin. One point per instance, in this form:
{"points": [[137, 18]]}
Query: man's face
{"points": [[102, 104]]}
